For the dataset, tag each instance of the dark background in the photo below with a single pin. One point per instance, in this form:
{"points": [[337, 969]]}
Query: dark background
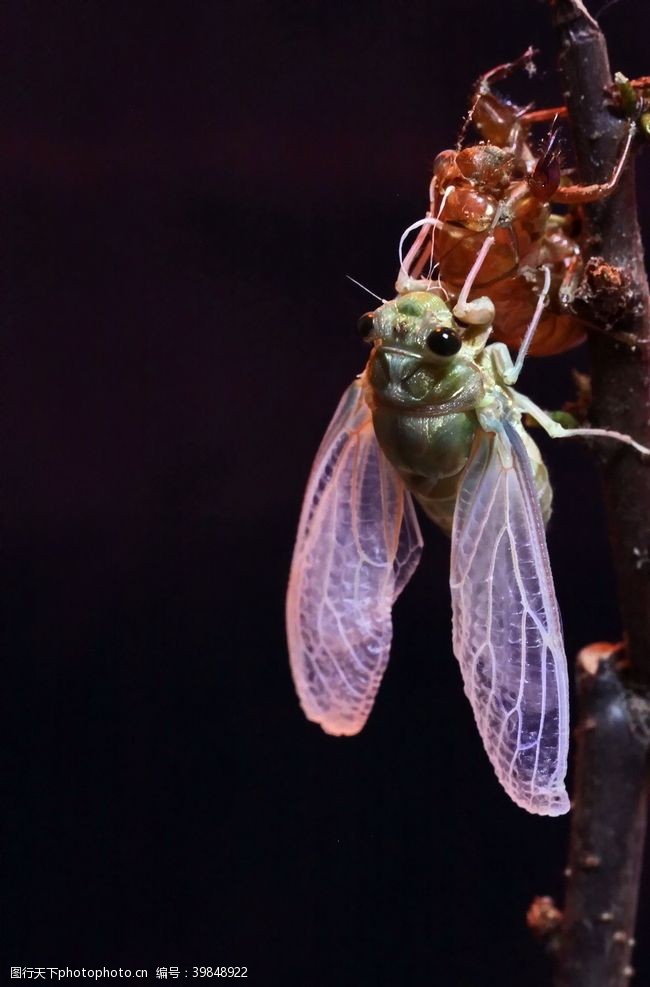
{"points": [[184, 188]]}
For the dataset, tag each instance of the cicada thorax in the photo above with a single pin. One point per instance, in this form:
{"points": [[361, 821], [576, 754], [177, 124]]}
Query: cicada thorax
{"points": [[426, 377]]}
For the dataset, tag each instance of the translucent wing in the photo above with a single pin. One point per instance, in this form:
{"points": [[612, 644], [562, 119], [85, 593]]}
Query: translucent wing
{"points": [[358, 544], [507, 629]]}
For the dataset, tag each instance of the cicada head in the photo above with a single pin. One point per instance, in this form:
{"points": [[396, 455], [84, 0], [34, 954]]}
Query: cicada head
{"points": [[422, 355]]}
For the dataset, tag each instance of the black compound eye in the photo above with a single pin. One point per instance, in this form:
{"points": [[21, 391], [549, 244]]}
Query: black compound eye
{"points": [[365, 325], [444, 342]]}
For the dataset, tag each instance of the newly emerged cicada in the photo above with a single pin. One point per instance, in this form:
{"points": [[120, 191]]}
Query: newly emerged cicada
{"points": [[435, 415]]}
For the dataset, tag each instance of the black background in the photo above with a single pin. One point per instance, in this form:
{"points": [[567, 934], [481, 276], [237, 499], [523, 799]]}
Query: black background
{"points": [[184, 188]]}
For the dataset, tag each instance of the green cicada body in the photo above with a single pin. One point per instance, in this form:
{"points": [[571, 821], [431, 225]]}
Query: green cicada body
{"points": [[426, 377]]}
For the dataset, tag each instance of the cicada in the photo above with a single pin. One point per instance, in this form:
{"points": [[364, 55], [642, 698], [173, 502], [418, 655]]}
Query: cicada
{"points": [[435, 416]]}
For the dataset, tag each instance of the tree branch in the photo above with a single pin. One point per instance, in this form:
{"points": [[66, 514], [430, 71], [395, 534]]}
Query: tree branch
{"points": [[617, 299], [610, 796], [607, 834]]}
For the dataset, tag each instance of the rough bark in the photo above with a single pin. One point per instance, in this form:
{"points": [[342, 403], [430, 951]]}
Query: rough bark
{"points": [[607, 831], [610, 793]]}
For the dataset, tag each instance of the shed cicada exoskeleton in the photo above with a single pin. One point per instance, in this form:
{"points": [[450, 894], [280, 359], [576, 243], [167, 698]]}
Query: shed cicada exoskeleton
{"points": [[498, 199]]}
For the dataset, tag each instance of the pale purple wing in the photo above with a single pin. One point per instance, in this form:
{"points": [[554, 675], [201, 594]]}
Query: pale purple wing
{"points": [[358, 544], [507, 628]]}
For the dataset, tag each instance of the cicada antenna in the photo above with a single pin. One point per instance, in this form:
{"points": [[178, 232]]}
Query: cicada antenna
{"points": [[354, 281], [526, 61]]}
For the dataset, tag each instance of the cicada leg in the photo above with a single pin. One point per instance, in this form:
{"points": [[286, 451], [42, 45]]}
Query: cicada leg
{"points": [[582, 194], [517, 194], [558, 431], [510, 374], [551, 113], [500, 72], [463, 308], [509, 371], [498, 121]]}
